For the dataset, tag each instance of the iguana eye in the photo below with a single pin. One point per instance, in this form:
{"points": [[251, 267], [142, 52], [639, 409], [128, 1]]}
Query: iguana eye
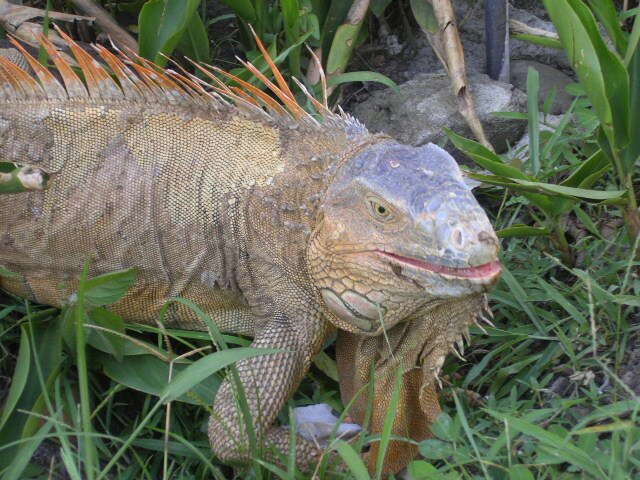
{"points": [[380, 210]]}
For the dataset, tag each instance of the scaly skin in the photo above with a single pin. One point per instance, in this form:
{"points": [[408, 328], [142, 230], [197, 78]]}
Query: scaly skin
{"points": [[278, 227]]}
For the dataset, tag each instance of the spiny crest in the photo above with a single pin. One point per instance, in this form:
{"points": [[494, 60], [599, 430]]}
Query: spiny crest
{"points": [[136, 79]]}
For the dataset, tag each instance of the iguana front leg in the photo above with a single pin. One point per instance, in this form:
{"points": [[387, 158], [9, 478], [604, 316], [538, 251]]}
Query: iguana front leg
{"points": [[268, 382]]}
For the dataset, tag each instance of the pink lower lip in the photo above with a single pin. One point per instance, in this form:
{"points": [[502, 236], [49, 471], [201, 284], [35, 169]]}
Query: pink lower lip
{"points": [[481, 271]]}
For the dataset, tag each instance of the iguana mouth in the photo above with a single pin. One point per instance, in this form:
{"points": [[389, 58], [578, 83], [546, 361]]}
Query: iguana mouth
{"points": [[481, 271]]}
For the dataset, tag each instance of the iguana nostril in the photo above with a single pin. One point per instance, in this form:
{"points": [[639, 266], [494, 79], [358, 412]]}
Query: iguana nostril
{"points": [[457, 237]]}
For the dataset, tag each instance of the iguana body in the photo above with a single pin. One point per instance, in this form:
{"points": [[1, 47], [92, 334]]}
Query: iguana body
{"points": [[277, 226]]}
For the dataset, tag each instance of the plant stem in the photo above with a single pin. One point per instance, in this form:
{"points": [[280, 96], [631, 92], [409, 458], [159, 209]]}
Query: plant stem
{"points": [[83, 379], [631, 214], [559, 238]]}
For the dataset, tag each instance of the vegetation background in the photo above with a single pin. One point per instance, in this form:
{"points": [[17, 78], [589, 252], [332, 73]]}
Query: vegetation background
{"points": [[552, 391]]}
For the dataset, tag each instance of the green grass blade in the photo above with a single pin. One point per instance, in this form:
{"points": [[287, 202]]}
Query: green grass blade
{"points": [[467, 430], [522, 231], [18, 379], [356, 466], [206, 366], [362, 77], [560, 447], [88, 447], [26, 451], [533, 92], [385, 438]]}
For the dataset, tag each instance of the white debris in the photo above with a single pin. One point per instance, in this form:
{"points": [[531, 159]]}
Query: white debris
{"points": [[316, 422]]}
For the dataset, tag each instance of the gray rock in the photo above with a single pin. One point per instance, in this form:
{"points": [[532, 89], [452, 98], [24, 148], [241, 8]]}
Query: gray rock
{"points": [[550, 78], [417, 114]]}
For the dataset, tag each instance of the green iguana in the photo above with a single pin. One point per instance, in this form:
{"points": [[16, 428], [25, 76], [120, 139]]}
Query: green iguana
{"points": [[279, 226]]}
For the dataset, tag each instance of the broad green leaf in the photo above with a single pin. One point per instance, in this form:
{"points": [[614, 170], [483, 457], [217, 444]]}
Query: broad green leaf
{"points": [[335, 17], [195, 41], [379, 6], [435, 449], [161, 25], [18, 379], [616, 77], [362, 77], [425, 15], [341, 47], [600, 71], [442, 428], [606, 12], [150, 375], [290, 13], [522, 231], [596, 164], [484, 157], [327, 365], [108, 288], [205, 367], [105, 341], [244, 9], [519, 472], [356, 466], [421, 470]]}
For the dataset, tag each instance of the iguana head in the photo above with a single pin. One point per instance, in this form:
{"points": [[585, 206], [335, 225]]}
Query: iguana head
{"points": [[399, 229]]}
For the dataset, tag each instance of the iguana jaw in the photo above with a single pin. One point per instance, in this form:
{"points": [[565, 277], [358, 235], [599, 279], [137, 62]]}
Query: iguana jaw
{"points": [[488, 271]]}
